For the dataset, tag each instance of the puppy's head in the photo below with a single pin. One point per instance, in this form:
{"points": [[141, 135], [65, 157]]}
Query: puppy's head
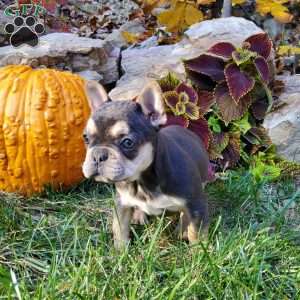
{"points": [[120, 135]]}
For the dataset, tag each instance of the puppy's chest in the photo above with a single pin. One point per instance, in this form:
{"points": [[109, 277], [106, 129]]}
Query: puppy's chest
{"points": [[151, 202]]}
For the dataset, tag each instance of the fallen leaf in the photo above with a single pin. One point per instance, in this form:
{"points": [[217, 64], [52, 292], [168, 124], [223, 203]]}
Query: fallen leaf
{"points": [[180, 16], [275, 8]]}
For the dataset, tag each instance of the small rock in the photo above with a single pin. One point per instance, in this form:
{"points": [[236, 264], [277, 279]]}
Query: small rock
{"points": [[90, 75], [141, 64], [283, 124]]}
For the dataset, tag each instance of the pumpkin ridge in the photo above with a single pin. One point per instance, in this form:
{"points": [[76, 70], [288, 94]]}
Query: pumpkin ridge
{"points": [[63, 172]]}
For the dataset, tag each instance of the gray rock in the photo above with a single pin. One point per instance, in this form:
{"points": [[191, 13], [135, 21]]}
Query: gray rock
{"points": [[90, 75], [283, 124], [68, 51], [141, 64]]}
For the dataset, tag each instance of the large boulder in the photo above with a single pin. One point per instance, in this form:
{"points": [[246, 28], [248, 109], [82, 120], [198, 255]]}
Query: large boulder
{"points": [[67, 51], [283, 124], [141, 64]]}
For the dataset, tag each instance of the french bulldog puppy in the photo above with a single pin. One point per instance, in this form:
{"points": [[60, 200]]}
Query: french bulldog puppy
{"points": [[153, 168]]}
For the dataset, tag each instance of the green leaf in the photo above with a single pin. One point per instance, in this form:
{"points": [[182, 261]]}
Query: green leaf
{"points": [[243, 124], [214, 124]]}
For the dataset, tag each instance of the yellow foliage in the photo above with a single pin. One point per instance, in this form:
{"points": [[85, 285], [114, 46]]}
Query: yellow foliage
{"points": [[148, 5], [205, 2], [129, 37], [181, 15], [238, 2], [275, 8], [288, 50]]}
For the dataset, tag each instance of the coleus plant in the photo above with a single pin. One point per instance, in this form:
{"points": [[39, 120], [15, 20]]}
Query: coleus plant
{"points": [[225, 98], [238, 73], [186, 106]]}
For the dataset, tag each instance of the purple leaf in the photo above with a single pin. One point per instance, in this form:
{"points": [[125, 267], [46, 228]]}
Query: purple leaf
{"points": [[192, 111], [239, 83], [201, 81], [201, 128], [262, 68], [171, 99], [206, 100], [229, 109], [177, 120], [231, 154], [218, 143], [223, 49], [211, 66], [259, 109], [191, 93], [261, 44]]}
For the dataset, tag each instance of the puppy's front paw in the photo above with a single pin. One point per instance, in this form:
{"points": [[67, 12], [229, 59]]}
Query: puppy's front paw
{"points": [[121, 245]]}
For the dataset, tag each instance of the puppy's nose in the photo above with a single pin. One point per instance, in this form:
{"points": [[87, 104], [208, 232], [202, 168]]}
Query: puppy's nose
{"points": [[103, 155], [100, 155]]}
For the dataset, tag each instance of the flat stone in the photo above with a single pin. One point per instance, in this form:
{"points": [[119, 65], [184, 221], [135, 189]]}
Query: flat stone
{"points": [[283, 124], [141, 64], [68, 51]]}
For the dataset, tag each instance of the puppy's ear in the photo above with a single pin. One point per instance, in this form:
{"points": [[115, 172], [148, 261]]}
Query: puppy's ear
{"points": [[96, 94], [152, 104]]}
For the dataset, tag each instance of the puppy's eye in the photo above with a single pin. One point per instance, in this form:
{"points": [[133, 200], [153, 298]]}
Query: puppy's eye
{"points": [[127, 143], [85, 138]]}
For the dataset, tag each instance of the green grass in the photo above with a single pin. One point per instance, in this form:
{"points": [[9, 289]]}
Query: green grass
{"points": [[59, 246]]}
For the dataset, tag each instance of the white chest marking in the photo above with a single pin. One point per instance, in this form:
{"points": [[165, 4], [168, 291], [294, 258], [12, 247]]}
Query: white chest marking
{"points": [[154, 206]]}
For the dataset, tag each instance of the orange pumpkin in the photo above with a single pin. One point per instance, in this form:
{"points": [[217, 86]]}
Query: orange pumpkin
{"points": [[42, 116]]}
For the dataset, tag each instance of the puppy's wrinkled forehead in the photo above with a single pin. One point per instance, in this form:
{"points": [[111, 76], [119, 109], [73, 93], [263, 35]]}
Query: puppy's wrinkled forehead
{"points": [[114, 119]]}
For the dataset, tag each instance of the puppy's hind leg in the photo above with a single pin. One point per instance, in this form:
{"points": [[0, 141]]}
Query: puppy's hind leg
{"points": [[197, 215]]}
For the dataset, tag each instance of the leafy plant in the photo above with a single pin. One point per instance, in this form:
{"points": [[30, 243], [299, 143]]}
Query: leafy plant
{"points": [[187, 106], [224, 99], [237, 72]]}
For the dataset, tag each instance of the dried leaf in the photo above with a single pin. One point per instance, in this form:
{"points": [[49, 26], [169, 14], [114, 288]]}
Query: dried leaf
{"points": [[238, 2], [275, 8], [129, 37], [181, 15], [149, 5], [205, 2], [287, 50]]}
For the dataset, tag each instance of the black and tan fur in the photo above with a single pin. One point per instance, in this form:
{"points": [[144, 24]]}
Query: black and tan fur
{"points": [[153, 168]]}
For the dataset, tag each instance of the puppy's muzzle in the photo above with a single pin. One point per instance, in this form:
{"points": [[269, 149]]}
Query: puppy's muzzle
{"points": [[100, 155]]}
